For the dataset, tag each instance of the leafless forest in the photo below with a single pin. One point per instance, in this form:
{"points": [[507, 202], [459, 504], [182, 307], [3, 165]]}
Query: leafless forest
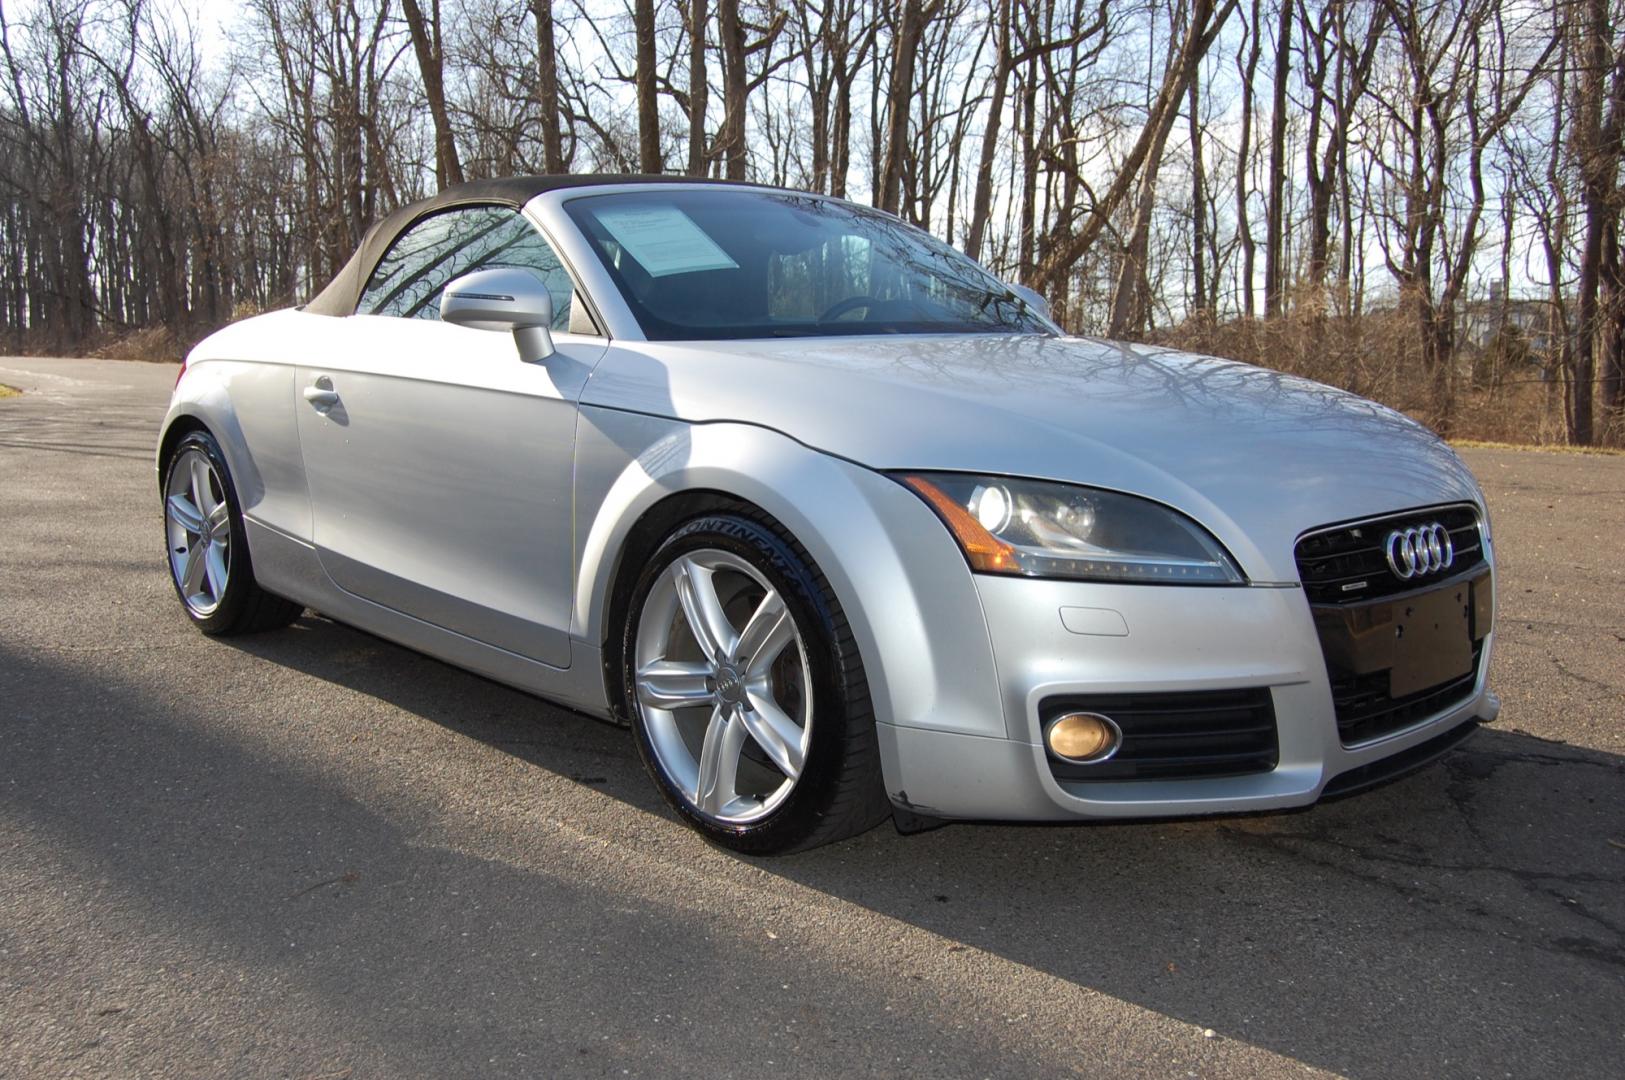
{"points": [[1416, 199]]}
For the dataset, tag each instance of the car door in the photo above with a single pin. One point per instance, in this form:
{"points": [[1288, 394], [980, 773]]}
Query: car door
{"points": [[439, 463]]}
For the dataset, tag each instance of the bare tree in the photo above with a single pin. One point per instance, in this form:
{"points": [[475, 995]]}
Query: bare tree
{"points": [[643, 21], [1007, 59], [734, 33], [1069, 239], [547, 87], [1275, 205], [699, 87], [1451, 75], [912, 18], [1467, 148], [1597, 128], [428, 42], [1252, 46], [1337, 71]]}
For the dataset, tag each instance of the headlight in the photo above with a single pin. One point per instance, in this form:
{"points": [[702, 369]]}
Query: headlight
{"points": [[1040, 529]]}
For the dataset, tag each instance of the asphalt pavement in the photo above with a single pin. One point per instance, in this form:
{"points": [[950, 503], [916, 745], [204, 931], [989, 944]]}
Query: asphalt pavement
{"points": [[311, 853]]}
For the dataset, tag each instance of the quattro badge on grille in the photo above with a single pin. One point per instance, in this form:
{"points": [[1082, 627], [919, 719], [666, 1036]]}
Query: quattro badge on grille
{"points": [[1419, 551]]}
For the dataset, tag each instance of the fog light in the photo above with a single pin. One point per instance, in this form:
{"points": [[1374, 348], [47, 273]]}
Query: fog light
{"points": [[1083, 737]]}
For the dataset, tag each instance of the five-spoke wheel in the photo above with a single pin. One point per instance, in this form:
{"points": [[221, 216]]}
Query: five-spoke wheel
{"points": [[207, 547], [199, 523], [746, 692]]}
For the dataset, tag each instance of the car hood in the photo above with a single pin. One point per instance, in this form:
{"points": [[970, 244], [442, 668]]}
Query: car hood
{"points": [[1256, 456]]}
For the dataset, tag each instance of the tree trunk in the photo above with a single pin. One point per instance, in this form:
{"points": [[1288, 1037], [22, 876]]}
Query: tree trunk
{"points": [[429, 44], [982, 198], [735, 88], [1064, 246], [1244, 153], [1198, 211], [1130, 299], [699, 86], [1027, 226], [1596, 135], [1612, 382], [900, 96], [643, 19], [1318, 173], [1275, 211], [547, 87], [840, 151]]}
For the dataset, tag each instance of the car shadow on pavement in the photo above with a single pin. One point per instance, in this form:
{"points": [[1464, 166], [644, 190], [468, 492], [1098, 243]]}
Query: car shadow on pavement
{"points": [[1471, 914], [1467, 920], [194, 893]]}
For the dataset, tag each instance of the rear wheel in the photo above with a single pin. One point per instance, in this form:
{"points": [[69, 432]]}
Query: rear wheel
{"points": [[206, 547], [746, 693]]}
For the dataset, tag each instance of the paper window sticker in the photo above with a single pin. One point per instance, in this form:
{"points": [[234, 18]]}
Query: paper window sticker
{"points": [[663, 239]]}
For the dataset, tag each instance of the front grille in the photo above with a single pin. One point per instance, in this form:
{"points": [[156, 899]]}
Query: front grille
{"points": [[1180, 735], [1355, 596], [1366, 712], [1346, 564]]}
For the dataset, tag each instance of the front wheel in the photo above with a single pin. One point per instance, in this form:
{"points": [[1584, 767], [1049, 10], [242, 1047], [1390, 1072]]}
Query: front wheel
{"points": [[207, 547], [746, 692]]}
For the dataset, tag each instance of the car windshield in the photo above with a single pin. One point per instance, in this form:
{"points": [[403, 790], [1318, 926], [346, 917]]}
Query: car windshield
{"points": [[697, 265]]}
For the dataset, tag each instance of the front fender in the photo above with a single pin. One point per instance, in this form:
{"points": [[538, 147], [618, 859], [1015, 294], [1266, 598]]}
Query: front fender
{"points": [[248, 407], [905, 588]]}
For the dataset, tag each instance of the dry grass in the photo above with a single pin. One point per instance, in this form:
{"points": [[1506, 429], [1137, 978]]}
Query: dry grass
{"points": [[155, 344], [1481, 444], [1488, 403], [1377, 356]]}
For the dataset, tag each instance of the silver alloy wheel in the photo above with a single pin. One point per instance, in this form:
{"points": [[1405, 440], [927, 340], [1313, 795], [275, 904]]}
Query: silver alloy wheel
{"points": [[199, 526], [726, 701]]}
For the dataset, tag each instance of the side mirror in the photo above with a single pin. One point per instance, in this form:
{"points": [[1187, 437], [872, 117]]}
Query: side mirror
{"points": [[510, 298], [1032, 298]]}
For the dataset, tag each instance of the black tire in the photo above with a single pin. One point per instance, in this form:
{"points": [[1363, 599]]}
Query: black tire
{"points": [[244, 607], [840, 792]]}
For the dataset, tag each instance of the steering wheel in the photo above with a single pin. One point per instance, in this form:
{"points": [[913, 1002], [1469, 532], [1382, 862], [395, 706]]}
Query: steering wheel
{"points": [[842, 307]]}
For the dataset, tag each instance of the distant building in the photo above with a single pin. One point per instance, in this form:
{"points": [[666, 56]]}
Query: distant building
{"points": [[1479, 321]]}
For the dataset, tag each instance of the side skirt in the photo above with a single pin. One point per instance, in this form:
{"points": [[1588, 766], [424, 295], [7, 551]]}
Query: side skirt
{"points": [[289, 567]]}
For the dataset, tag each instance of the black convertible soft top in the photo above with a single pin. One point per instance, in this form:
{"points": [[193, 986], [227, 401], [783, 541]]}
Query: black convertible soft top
{"points": [[341, 294]]}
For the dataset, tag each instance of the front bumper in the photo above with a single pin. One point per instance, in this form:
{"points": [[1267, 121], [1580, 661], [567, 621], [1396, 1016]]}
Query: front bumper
{"points": [[1126, 639]]}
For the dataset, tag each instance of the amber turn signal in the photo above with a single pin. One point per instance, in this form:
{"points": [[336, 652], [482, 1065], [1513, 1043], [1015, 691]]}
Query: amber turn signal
{"points": [[984, 550]]}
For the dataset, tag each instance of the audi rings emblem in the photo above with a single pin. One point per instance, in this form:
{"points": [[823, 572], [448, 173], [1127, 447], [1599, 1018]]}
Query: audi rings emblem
{"points": [[1419, 551]]}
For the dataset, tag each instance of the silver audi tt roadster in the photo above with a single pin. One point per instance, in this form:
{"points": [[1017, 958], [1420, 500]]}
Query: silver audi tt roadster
{"points": [[842, 526]]}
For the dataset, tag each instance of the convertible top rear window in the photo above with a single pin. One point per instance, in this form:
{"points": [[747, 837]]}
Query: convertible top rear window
{"points": [[694, 265]]}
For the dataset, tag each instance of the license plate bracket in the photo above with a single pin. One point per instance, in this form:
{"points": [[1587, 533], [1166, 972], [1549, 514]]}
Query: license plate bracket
{"points": [[1433, 641]]}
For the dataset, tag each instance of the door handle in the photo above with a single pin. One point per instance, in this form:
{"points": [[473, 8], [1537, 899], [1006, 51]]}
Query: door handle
{"points": [[322, 395]]}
